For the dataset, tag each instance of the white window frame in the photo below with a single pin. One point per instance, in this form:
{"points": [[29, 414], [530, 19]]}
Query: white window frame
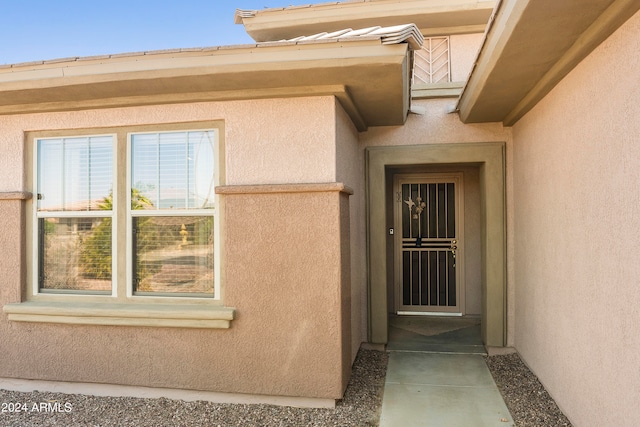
{"points": [[37, 215], [212, 212]]}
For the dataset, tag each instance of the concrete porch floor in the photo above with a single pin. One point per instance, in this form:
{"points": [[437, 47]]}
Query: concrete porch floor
{"points": [[437, 375]]}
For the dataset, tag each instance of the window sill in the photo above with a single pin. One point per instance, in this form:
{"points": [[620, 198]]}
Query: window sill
{"points": [[438, 90], [114, 314]]}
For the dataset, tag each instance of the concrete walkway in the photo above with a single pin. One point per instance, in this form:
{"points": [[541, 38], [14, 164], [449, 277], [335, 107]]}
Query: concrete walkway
{"points": [[437, 376]]}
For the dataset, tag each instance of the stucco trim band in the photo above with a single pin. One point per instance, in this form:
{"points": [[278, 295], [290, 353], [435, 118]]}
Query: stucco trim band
{"points": [[284, 188], [341, 92], [113, 314], [15, 195]]}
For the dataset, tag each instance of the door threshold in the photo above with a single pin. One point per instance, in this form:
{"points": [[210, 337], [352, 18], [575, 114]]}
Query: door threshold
{"points": [[428, 313]]}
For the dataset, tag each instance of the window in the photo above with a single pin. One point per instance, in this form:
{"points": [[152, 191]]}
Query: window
{"points": [[172, 213], [125, 227], [127, 215], [74, 214], [431, 63]]}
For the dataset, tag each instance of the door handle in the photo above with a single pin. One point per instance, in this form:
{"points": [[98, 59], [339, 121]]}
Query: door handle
{"points": [[454, 247]]}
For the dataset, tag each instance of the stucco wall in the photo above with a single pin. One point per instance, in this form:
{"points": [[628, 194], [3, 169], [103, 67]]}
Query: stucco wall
{"points": [[284, 256], [438, 126], [577, 181], [350, 171], [12, 267], [463, 53], [270, 141]]}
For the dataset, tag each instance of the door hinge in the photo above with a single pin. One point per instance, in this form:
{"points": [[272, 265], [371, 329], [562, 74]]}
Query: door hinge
{"points": [[398, 196]]}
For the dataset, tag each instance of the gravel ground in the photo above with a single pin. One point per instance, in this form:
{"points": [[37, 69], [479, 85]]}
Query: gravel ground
{"points": [[527, 400], [360, 407], [529, 403]]}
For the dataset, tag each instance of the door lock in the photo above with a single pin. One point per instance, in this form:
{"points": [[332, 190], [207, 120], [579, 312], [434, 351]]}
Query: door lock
{"points": [[453, 248]]}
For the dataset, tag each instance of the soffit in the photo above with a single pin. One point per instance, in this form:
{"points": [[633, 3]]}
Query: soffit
{"points": [[432, 17], [529, 47], [370, 78]]}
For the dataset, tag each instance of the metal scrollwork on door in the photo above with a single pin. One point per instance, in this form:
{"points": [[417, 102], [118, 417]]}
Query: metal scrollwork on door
{"points": [[415, 211], [429, 246]]}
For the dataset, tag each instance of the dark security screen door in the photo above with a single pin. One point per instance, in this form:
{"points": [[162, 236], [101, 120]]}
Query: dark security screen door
{"points": [[427, 243]]}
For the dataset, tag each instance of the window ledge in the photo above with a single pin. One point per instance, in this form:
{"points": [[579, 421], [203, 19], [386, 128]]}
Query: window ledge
{"points": [[15, 195], [437, 90], [114, 314]]}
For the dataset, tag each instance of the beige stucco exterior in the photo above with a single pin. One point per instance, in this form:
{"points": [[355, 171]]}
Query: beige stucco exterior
{"points": [[550, 172], [350, 171], [490, 156], [265, 133], [292, 301], [438, 126], [289, 143], [577, 233], [463, 51]]}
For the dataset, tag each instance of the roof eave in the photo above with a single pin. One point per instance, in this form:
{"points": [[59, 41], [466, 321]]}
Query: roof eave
{"points": [[512, 74], [358, 73], [433, 17]]}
